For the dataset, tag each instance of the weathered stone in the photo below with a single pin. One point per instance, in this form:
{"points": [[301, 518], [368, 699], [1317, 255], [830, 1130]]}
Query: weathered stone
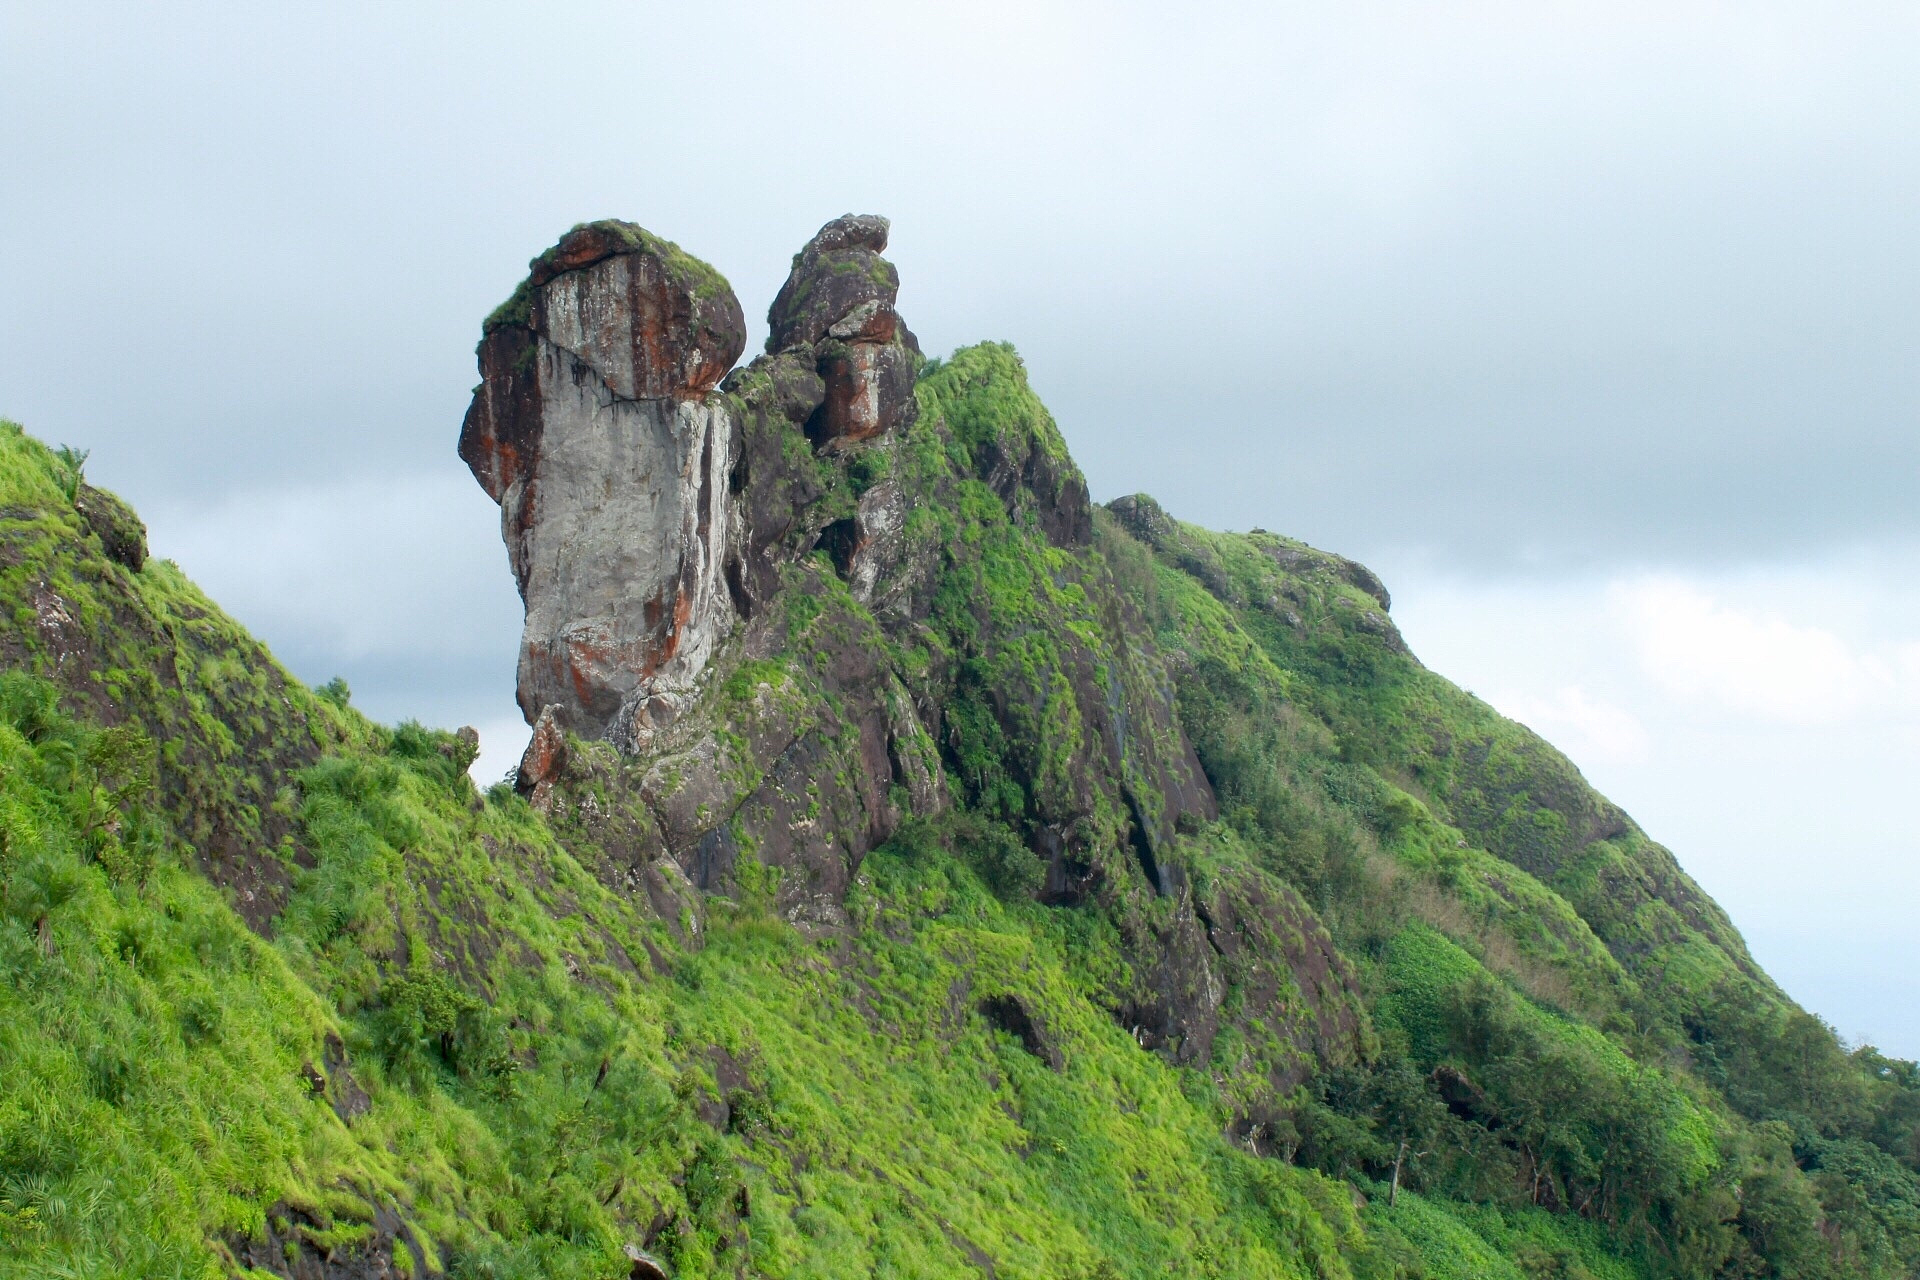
{"points": [[285, 1245], [866, 545], [871, 321], [544, 758], [645, 1265], [1379, 625], [1144, 518], [594, 430], [788, 383], [464, 749], [852, 231], [1365, 579], [618, 541], [837, 304], [649, 330], [649, 533], [869, 389], [838, 272]]}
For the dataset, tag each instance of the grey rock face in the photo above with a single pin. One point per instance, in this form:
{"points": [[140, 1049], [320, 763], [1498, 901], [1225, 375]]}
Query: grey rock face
{"points": [[621, 473], [594, 430], [620, 564]]}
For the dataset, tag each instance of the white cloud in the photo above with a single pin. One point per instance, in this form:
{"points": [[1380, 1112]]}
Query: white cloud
{"points": [[502, 742], [1756, 721], [1756, 662], [405, 565], [1583, 726]]}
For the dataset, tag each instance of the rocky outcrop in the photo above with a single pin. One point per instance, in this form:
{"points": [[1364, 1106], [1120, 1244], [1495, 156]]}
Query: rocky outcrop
{"points": [[541, 763], [594, 430], [1144, 518], [653, 516], [650, 513], [781, 709], [122, 534], [620, 476], [838, 304], [297, 1243]]}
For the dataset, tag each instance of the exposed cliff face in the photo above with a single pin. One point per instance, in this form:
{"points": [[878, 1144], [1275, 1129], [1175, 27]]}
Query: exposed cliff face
{"points": [[593, 429], [809, 605], [617, 472]]}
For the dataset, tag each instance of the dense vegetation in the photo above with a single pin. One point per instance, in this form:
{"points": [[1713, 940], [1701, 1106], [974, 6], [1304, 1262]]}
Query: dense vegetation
{"points": [[282, 986]]}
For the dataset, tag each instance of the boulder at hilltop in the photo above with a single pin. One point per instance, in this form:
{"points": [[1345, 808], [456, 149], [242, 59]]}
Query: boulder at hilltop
{"points": [[619, 471], [839, 301], [593, 429], [838, 273]]}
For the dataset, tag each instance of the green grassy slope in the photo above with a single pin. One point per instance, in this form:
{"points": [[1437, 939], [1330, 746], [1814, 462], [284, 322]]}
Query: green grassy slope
{"points": [[1565, 1019], [281, 987]]}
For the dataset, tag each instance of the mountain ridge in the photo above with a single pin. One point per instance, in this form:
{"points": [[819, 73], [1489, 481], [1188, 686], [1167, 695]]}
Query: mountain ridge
{"points": [[916, 869]]}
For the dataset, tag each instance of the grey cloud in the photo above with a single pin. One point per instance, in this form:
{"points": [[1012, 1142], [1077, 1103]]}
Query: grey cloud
{"points": [[398, 583], [1490, 287], [1496, 285]]}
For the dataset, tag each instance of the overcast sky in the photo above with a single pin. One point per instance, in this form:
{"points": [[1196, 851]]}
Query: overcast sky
{"points": [[1592, 328]]}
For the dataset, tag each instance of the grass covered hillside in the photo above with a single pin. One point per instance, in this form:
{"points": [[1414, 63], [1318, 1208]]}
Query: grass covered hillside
{"points": [[1206, 933]]}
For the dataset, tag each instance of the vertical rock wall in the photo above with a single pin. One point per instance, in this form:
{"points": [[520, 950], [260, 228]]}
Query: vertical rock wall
{"points": [[594, 429], [597, 429]]}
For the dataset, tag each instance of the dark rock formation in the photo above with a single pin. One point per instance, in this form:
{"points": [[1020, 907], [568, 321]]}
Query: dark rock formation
{"points": [[121, 533], [838, 300], [1144, 518], [1009, 1013], [544, 758], [1365, 579], [649, 518], [838, 272], [289, 1247]]}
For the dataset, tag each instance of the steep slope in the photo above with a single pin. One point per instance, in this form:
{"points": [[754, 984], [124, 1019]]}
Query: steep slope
{"points": [[916, 870]]}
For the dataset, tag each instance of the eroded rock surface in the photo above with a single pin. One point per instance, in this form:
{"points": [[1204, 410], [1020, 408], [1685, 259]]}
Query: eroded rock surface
{"points": [[620, 476], [593, 429], [735, 585], [838, 300]]}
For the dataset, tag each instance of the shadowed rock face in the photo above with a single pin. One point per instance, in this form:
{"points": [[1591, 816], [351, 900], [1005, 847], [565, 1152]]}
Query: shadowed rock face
{"points": [[838, 300], [593, 429]]}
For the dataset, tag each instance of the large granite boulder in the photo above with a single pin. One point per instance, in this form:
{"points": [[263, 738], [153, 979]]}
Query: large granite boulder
{"points": [[594, 430], [840, 271]]}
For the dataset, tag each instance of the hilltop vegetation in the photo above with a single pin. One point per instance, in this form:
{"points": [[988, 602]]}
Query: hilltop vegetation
{"points": [[284, 994]]}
